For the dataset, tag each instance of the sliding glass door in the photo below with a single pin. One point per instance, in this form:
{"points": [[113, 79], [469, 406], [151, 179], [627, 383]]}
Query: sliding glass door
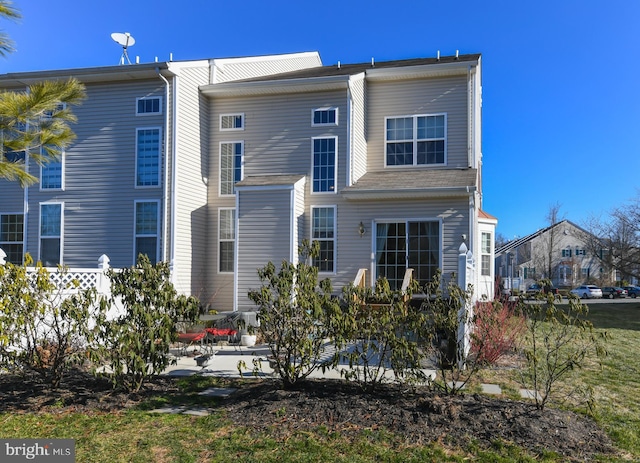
{"points": [[408, 244]]}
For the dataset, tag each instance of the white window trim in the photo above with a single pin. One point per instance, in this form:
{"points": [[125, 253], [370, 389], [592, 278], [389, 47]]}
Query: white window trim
{"points": [[61, 236], [415, 140], [159, 113], [220, 240], [335, 169], [320, 124], [62, 174], [226, 195], [335, 235], [157, 235], [159, 179], [232, 129]]}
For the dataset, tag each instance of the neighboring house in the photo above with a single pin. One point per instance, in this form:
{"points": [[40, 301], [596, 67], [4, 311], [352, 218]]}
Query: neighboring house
{"points": [[559, 253], [220, 166]]}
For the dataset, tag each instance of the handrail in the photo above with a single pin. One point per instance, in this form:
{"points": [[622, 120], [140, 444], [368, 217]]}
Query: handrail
{"points": [[361, 278], [408, 276]]}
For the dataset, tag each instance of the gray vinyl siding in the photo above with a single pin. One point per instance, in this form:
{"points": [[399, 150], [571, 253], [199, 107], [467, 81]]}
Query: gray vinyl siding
{"points": [[12, 195], [264, 234], [192, 138], [277, 135], [426, 96], [358, 129], [272, 145], [100, 170]]}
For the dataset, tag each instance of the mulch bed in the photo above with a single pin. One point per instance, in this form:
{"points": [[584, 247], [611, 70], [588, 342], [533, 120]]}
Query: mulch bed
{"points": [[419, 416]]}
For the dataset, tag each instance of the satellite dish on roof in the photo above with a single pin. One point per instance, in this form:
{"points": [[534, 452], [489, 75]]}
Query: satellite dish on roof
{"points": [[126, 40]]}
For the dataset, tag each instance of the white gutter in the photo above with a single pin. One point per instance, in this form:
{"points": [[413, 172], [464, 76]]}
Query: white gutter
{"points": [[349, 162]]}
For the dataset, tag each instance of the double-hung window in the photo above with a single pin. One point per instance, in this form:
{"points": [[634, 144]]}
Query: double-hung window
{"points": [[416, 140], [146, 229], [52, 174], [485, 251], [51, 234], [324, 116], [227, 239], [148, 105], [148, 157], [566, 253], [323, 231], [12, 237], [231, 122], [231, 166], [324, 164]]}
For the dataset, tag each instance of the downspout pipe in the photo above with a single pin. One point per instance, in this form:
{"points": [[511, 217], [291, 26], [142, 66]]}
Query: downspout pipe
{"points": [[165, 187]]}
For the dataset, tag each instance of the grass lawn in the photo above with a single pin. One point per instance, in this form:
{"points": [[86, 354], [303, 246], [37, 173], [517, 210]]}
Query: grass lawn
{"points": [[140, 436]]}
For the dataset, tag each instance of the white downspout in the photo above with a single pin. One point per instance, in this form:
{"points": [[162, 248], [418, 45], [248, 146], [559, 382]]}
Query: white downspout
{"points": [[165, 184], [170, 194]]}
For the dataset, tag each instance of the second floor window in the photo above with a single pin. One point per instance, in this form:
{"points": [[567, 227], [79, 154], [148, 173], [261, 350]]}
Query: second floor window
{"points": [[324, 165], [232, 122], [51, 174], [148, 157], [149, 105], [324, 116], [566, 253], [231, 160], [416, 140]]}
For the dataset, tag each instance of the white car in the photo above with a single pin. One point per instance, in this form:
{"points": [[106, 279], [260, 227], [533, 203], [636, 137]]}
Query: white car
{"points": [[587, 291]]}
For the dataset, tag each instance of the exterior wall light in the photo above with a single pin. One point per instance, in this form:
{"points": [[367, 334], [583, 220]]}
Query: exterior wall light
{"points": [[361, 229]]}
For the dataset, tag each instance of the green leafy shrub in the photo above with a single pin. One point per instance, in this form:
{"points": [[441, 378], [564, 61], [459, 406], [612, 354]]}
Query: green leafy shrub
{"points": [[43, 330], [136, 342], [295, 313], [558, 339]]}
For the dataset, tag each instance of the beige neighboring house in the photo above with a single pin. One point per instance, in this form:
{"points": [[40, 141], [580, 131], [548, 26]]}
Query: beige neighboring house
{"points": [[558, 252]]}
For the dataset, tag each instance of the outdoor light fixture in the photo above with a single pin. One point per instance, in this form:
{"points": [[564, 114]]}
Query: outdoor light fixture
{"points": [[361, 229]]}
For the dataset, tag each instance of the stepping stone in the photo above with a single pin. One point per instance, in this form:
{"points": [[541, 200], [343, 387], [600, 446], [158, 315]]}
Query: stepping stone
{"points": [[182, 411], [530, 394], [218, 392], [457, 384], [491, 389], [196, 412], [169, 410]]}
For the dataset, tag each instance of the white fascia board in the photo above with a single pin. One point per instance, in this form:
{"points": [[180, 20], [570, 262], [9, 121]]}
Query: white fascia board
{"points": [[426, 70], [254, 59]]}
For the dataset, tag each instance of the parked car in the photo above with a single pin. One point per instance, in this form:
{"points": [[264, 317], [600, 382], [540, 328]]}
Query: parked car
{"points": [[613, 292], [632, 291], [536, 288], [587, 292]]}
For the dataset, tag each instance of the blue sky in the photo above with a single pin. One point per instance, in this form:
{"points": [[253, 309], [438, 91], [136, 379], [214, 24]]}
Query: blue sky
{"points": [[561, 97]]}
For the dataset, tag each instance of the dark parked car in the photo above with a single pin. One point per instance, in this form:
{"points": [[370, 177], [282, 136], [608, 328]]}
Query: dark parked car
{"points": [[613, 292], [633, 291], [535, 289]]}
